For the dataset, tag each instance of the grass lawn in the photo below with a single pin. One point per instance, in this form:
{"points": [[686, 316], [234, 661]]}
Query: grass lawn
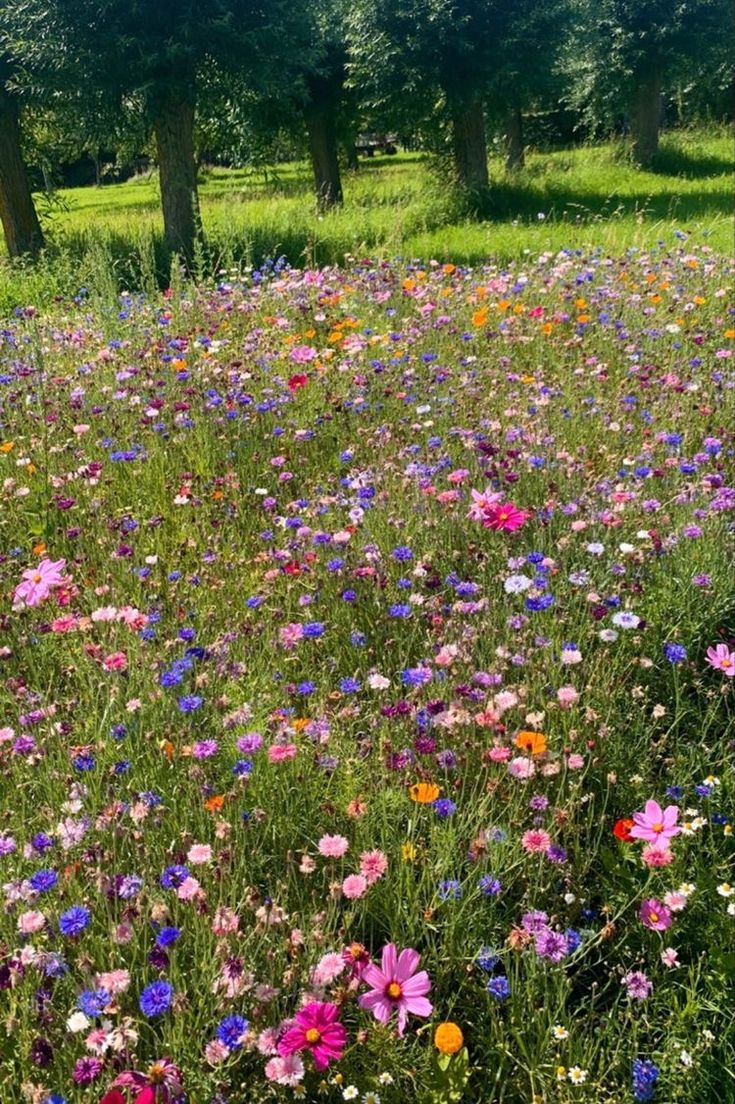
{"points": [[398, 206]]}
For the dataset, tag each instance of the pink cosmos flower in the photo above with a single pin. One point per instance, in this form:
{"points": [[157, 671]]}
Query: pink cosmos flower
{"points": [[333, 847], [302, 354], [504, 518], [654, 915], [354, 886], [395, 985], [481, 502], [160, 1085], [654, 824], [719, 657], [317, 1029], [373, 865], [38, 581]]}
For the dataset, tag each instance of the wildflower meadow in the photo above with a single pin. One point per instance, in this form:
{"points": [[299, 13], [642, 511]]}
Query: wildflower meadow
{"points": [[367, 685]]}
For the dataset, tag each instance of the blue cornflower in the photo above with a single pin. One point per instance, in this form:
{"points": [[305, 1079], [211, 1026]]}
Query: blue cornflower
{"points": [[349, 595], [74, 920], [645, 1075], [230, 1031], [399, 610], [242, 768], [450, 890], [43, 880], [167, 936], [538, 605], [83, 762], [486, 959], [675, 653], [416, 676], [42, 842], [156, 998], [93, 1002], [313, 629], [174, 876], [489, 885], [402, 553], [349, 685], [358, 639], [573, 938], [444, 807], [189, 703], [499, 987]]}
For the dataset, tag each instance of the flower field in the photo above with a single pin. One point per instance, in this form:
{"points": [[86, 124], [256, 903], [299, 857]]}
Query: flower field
{"points": [[367, 656]]}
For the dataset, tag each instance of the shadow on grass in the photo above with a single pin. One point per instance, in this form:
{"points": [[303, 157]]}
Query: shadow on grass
{"points": [[677, 162]]}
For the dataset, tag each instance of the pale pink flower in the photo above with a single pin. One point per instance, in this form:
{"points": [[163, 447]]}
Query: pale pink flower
{"points": [[199, 853], [481, 501], [499, 754], [31, 922], [333, 847], [225, 921], [675, 900], [189, 890], [567, 696], [575, 762], [114, 981], [521, 768], [354, 886], [117, 661], [670, 957], [216, 1052], [287, 1071], [329, 967], [302, 354], [656, 856]]}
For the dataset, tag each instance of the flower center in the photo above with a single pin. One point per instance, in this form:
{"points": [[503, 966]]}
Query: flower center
{"points": [[313, 1036], [156, 1074], [393, 990], [37, 577], [356, 950], [658, 827], [654, 917]]}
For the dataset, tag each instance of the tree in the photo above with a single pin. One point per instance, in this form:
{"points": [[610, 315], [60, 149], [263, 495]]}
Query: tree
{"points": [[419, 58], [634, 49], [21, 227], [154, 54]]}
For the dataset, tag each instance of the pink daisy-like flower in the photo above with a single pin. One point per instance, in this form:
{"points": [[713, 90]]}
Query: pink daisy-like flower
{"points": [[395, 986], [654, 915], [354, 886], [722, 659], [38, 582], [504, 518], [317, 1028], [654, 824]]}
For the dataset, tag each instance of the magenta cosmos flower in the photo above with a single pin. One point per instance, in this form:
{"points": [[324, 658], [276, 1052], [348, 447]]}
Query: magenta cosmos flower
{"points": [[38, 581], [316, 1029], [722, 659], [654, 915], [396, 985], [504, 518], [654, 824]]}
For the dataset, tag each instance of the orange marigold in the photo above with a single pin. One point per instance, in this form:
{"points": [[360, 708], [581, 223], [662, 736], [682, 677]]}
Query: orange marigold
{"points": [[448, 1038]]}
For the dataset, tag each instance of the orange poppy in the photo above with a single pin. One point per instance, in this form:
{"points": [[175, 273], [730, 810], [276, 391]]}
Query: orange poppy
{"points": [[534, 742], [424, 792], [214, 804]]}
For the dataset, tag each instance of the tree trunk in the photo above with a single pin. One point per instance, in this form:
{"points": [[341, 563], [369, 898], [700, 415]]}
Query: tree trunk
{"points": [[321, 125], [18, 215], [647, 118], [515, 154], [470, 147], [173, 123]]}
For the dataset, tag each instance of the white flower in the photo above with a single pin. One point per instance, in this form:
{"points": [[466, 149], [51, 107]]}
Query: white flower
{"points": [[385, 1078], [559, 1032], [350, 1093], [78, 1022], [687, 888], [577, 1076], [626, 619], [595, 548], [725, 889], [516, 584], [371, 1098], [685, 1058]]}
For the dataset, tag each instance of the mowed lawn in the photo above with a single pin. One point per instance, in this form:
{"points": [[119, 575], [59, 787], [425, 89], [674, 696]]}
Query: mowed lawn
{"points": [[402, 206]]}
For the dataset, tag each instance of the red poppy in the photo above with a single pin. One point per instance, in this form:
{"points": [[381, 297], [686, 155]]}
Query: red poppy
{"points": [[622, 829], [297, 382]]}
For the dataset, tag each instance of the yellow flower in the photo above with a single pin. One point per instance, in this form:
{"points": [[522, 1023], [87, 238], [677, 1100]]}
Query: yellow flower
{"points": [[561, 1073], [7, 446], [408, 851], [448, 1038], [534, 742]]}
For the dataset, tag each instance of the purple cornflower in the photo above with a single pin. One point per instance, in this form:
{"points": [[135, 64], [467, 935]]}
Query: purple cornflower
{"points": [[637, 985]]}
